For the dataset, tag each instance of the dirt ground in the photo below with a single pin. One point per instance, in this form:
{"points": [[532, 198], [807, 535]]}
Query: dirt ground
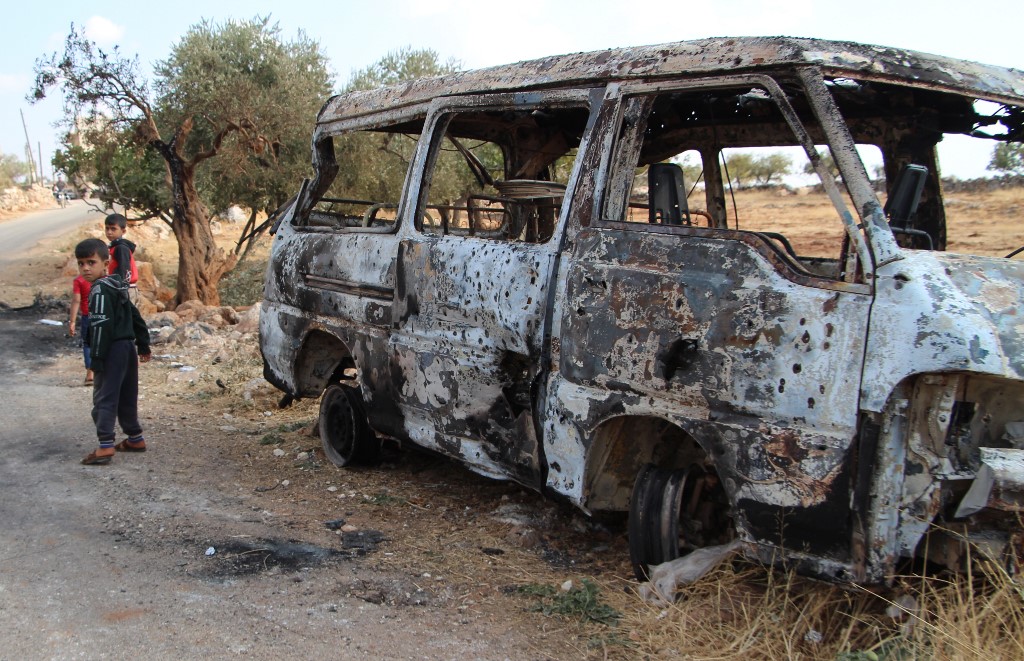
{"points": [[234, 536], [413, 558]]}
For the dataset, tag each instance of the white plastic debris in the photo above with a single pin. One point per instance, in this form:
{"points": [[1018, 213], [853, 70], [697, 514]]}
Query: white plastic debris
{"points": [[285, 483], [332, 489], [813, 637], [210, 551], [186, 368], [567, 585], [51, 322], [278, 452], [668, 576], [903, 610]]}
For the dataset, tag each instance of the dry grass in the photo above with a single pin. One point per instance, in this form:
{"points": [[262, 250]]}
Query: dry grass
{"points": [[753, 613]]}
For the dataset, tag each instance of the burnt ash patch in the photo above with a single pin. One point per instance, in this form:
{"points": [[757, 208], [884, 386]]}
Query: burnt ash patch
{"points": [[30, 344], [239, 558], [360, 542]]}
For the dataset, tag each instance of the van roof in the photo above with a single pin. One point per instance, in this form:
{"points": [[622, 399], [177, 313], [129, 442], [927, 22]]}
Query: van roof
{"points": [[700, 57]]}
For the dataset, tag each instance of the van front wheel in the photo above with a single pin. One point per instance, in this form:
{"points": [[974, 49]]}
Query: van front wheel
{"points": [[344, 431]]}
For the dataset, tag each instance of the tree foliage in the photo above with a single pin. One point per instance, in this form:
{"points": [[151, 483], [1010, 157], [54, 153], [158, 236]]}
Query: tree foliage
{"points": [[1008, 157], [827, 161], [401, 66], [372, 166], [246, 70], [122, 171], [11, 168], [748, 169], [235, 90]]}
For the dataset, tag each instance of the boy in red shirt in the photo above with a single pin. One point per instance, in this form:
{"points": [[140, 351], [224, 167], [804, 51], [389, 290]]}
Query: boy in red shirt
{"points": [[80, 304]]}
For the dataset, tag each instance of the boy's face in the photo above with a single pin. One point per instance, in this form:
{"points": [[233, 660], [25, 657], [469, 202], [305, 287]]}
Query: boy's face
{"points": [[113, 231], [92, 268]]}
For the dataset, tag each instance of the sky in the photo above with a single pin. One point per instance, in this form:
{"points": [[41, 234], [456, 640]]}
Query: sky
{"points": [[477, 33]]}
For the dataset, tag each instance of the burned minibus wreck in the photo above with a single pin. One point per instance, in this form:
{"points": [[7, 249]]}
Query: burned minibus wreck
{"points": [[544, 271]]}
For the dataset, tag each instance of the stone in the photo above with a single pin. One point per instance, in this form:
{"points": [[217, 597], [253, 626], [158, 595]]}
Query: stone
{"points": [[190, 310], [249, 320], [192, 333], [146, 306], [162, 320]]}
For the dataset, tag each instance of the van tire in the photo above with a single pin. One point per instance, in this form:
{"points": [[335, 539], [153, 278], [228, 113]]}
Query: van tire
{"points": [[344, 431], [654, 511]]}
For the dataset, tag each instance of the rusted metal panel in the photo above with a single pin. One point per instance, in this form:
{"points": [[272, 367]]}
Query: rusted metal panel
{"points": [[696, 319], [466, 340], [936, 312], [1007, 468]]}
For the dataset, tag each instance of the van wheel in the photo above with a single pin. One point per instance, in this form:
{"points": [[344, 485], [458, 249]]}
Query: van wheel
{"points": [[661, 515], [344, 431]]}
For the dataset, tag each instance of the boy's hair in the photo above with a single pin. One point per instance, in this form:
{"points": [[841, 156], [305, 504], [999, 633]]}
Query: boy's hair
{"points": [[90, 247], [116, 219]]}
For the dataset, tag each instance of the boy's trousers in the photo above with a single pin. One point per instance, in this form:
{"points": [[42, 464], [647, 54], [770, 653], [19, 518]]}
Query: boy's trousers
{"points": [[115, 392]]}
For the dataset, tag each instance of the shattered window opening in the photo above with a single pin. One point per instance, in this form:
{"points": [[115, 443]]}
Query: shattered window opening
{"points": [[502, 175], [364, 194], [741, 132]]}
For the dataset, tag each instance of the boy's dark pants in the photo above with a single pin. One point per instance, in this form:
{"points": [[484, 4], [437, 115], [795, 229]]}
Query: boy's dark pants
{"points": [[115, 393]]}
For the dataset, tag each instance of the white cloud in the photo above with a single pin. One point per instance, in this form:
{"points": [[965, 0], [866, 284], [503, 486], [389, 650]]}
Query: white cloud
{"points": [[103, 31]]}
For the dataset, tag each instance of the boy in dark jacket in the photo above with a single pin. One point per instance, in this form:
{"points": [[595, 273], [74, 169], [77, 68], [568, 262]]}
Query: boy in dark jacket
{"points": [[115, 328], [122, 251]]}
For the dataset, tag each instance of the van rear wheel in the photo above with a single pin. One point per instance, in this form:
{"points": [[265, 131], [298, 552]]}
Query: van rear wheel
{"points": [[344, 430], [673, 511]]}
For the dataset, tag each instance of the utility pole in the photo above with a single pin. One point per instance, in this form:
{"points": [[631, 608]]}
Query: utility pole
{"points": [[28, 150], [39, 150]]}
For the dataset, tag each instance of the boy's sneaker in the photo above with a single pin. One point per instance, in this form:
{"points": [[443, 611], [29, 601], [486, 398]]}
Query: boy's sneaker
{"points": [[99, 457], [129, 445]]}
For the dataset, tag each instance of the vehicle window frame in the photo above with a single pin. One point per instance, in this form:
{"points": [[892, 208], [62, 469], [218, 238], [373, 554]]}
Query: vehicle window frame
{"points": [[435, 131], [853, 228], [323, 159]]}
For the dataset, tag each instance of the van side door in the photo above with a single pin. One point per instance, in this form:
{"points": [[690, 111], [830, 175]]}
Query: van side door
{"points": [[473, 280]]}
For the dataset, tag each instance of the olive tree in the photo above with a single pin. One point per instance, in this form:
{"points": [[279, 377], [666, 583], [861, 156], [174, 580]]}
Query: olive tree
{"points": [[1008, 157], [227, 91]]}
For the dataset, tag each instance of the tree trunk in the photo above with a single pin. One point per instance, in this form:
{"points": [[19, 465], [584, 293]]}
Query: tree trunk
{"points": [[201, 264]]}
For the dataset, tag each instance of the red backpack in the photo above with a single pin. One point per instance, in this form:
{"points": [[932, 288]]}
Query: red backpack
{"points": [[133, 274]]}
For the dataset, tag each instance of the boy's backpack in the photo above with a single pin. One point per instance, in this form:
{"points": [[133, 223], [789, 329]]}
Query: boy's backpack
{"points": [[133, 271]]}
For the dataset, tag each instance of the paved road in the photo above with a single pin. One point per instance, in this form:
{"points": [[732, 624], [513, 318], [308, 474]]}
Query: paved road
{"points": [[19, 235]]}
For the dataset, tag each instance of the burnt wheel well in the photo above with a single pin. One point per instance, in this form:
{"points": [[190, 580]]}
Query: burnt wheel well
{"points": [[323, 359], [622, 446]]}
